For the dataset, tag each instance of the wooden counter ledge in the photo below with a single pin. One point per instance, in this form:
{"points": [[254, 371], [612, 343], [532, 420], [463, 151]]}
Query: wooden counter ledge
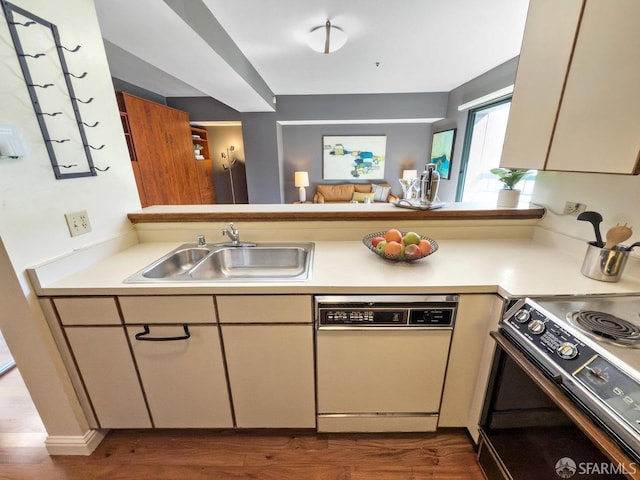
{"points": [[324, 212]]}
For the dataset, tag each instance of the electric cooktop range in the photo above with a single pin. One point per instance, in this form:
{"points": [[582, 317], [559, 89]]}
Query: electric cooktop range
{"points": [[590, 346]]}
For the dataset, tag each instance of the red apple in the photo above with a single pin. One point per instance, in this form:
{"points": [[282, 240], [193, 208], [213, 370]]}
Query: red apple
{"points": [[412, 251], [376, 241]]}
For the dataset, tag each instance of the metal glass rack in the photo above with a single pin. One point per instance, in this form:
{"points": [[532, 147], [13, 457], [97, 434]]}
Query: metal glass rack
{"points": [[41, 55]]}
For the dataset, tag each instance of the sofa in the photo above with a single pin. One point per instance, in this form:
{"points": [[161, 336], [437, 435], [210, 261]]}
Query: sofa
{"points": [[354, 192]]}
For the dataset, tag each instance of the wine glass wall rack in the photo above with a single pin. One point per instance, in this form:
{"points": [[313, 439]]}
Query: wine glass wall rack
{"points": [[41, 56]]}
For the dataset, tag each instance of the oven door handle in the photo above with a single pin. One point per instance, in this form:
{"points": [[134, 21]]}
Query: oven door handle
{"points": [[584, 423]]}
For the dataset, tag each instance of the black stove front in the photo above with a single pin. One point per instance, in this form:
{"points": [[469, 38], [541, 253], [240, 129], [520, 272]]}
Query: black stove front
{"points": [[560, 396]]}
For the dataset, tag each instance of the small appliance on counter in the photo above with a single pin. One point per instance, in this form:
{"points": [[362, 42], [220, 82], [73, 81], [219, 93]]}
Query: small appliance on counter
{"points": [[429, 182], [427, 186]]}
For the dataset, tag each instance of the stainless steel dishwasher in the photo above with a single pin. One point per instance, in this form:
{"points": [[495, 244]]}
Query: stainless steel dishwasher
{"points": [[381, 361]]}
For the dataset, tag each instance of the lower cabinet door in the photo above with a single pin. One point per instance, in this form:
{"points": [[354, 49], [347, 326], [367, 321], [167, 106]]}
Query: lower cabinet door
{"points": [[271, 375], [109, 376], [183, 378]]}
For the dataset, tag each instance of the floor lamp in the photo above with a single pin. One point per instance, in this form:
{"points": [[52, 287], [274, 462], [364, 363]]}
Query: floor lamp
{"points": [[230, 167]]}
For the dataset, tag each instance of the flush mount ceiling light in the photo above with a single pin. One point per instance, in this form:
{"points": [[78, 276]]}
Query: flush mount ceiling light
{"points": [[327, 38]]}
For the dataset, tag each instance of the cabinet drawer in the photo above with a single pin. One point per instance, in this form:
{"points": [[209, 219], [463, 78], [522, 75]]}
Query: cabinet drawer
{"points": [[87, 311], [168, 309], [265, 308]]}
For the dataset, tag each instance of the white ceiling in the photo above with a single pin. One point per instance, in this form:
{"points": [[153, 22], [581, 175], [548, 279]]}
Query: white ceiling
{"points": [[242, 52]]}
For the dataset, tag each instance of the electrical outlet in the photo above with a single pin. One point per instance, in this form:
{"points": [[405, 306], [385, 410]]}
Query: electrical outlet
{"points": [[78, 223], [574, 208]]}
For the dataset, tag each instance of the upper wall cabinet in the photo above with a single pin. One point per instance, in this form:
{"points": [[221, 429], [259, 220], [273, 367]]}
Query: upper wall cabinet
{"points": [[576, 99]]}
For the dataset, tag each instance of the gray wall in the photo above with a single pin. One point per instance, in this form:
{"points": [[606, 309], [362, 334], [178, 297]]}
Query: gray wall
{"points": [[260, 133], [407, 148], [495, 79], [274, 151], [270, 163], [361, 107], [121, 85], [204, 109]]}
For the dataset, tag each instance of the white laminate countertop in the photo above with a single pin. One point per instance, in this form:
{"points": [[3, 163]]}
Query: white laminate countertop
{"points": [[511, 267]]}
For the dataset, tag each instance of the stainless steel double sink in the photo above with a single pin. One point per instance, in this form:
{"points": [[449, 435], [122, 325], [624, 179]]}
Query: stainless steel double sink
{"points": [[264, 262]]}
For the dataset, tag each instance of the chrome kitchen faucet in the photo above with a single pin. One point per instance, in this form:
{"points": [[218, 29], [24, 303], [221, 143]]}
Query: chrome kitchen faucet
{"points": [[234, 236]]}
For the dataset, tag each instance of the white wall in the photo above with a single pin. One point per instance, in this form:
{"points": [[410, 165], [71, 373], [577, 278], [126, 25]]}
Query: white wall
{"points": [[616, 197], [33, 202]]}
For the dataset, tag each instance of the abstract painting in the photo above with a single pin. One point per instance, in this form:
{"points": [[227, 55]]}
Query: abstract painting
{"points": [[442, 151], [353, 157]]}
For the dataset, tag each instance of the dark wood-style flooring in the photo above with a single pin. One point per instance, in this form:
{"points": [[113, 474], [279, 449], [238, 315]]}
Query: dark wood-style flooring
{"points": [[226, 455]]}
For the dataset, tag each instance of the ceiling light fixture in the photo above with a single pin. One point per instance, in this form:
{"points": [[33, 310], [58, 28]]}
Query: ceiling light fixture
{"points": [[327, 38]]}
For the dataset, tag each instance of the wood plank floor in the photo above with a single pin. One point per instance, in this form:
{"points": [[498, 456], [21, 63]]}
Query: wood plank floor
{"points": [[229, 455]]}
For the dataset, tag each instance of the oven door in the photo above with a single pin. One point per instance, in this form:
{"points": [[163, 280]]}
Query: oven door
{"points": [[530, 429]]}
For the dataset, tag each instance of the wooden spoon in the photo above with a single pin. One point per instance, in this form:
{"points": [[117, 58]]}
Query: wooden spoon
{"points": [[616, 235]]}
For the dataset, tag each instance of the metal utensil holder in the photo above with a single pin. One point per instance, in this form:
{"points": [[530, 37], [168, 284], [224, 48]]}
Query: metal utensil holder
{"points": [[604, 264]]}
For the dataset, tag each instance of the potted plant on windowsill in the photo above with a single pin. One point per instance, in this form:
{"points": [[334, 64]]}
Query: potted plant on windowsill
{"points": [[509, 196]]}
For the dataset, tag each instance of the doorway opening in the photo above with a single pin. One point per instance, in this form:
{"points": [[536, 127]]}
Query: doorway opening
{"points": [[226, 148]]}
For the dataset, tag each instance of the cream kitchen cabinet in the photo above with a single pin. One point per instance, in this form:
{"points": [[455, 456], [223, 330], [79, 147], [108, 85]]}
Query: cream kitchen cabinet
{"points": [[469, 361], [182, 372], [268, 342], [100, 351], [576, 99], [177, 348]]}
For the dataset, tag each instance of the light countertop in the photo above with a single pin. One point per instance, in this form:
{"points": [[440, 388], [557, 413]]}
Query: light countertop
{"points": [[512, 267]]}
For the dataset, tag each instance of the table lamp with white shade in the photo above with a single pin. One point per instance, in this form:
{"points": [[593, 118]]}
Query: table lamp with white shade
{"points": [[301, 180], [409, 174]]}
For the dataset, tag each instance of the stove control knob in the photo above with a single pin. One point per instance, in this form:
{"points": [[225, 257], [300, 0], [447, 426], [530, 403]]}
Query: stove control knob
{"points": [[567, 351], [536, 327], [522, 316]]}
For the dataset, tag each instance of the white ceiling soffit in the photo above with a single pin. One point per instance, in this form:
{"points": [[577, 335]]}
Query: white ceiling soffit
{"points": [[153, 32], [131, 69]]}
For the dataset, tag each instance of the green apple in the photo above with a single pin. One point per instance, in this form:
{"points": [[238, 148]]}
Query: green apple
{"points": [[381, 246], [411, 238]]}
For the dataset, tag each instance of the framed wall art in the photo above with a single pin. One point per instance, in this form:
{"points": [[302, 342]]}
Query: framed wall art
{"points": [[442, 151], [353, 157]]}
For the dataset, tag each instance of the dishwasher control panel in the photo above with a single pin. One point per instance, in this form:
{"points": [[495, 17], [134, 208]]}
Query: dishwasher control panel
{"points": [[379, 311]]}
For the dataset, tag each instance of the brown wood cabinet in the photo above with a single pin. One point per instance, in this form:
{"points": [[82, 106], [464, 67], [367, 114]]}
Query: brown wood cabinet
{"points": [[204, 164], [162, 153]]}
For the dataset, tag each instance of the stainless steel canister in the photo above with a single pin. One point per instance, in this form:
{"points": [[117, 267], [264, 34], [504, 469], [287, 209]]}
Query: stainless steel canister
{"points": [[429, 182], [604, 264]]}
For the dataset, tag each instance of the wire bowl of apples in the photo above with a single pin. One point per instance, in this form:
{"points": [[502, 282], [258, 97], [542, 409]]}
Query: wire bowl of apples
{"points": [[400, 246]]}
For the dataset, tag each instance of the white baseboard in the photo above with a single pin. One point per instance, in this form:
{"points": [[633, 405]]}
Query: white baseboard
{"points": [[74, 445]]}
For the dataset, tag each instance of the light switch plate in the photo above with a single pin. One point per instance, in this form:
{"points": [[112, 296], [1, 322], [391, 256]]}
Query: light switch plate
{"points": [[78, 223]]}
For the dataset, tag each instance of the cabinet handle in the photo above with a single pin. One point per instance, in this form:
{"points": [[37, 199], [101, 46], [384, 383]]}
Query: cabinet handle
{"points": [[142, 336]]}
